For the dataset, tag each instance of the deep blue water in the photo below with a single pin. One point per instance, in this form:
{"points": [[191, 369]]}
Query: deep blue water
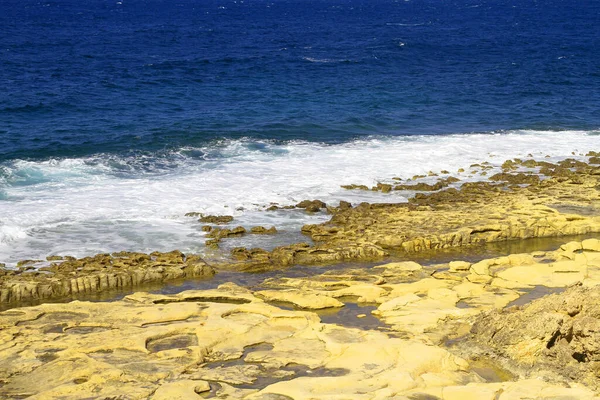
{"points": [[100, 76]]}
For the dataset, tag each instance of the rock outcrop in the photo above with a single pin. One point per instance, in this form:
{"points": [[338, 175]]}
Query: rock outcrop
{"points": [[96, 274], [559, 333], [235, 343], [565, 202]]}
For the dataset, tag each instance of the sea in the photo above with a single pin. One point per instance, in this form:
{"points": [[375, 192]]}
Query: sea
{"points": [[118, 117]]}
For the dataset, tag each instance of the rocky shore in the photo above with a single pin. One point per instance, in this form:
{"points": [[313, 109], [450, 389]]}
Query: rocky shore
{"points": [[387, 329], [67, 276], [444, 332]]}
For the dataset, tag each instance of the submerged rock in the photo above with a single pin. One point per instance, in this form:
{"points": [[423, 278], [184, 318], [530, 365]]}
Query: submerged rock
{"points": [[261, 230], [220, 233], [425, 187], [355, 187], [216, 219], [311, 205]]}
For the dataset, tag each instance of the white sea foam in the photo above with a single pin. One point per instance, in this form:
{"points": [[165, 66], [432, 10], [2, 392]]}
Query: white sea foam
{"points": [[87, 205]]}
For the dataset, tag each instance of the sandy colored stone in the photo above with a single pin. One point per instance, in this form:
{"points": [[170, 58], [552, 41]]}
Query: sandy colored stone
{"points": [[476, 278], [300, 299], [571, 247], [169, 346], [401, 266], [520, 390], [100, 273], [455, 266], [558, 274], [559, 333], [166, 346], [591, 244], [181, 390]]}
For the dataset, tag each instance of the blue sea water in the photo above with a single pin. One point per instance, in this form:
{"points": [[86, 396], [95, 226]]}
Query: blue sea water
{"points": [[117, 117], [80, 77]]}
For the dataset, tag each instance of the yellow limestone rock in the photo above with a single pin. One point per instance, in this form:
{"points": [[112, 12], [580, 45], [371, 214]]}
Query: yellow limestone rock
{"points": [[558, 274], [481, 268], [456, 266], [415, 315], [475, 278], [571, 247], [181, 390], [393, 366], [364, 293], [300, 299], [419, 287], [168, 346], [401, 266], [519, 390], [591, 244]]}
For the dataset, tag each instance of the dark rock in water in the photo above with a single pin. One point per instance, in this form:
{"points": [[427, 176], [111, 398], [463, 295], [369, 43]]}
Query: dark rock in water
{"points": [[308, 205], [510, 165], [425, 187], [193, 214], [261, 230], [212, 243], [239, 230], [54, 258], [257, 255], [594, 160], [23, 263], [355, 187], [275, 207], [207, 228], [345, 205], [220, 233], [572, 163], [518, 179], [311, 205], [216, 219], [383, 187]]}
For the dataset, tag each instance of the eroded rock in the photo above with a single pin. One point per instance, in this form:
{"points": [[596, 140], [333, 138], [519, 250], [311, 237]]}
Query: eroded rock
{"points": [[99, 273], [560, 332]]}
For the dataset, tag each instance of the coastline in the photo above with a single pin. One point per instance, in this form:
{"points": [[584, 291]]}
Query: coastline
{"points": [[544, 200], [424, 331], [391, 200]]}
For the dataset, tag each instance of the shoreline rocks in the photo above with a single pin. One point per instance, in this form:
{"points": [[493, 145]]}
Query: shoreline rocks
{"points": [[96, 274], [565, 202]]}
